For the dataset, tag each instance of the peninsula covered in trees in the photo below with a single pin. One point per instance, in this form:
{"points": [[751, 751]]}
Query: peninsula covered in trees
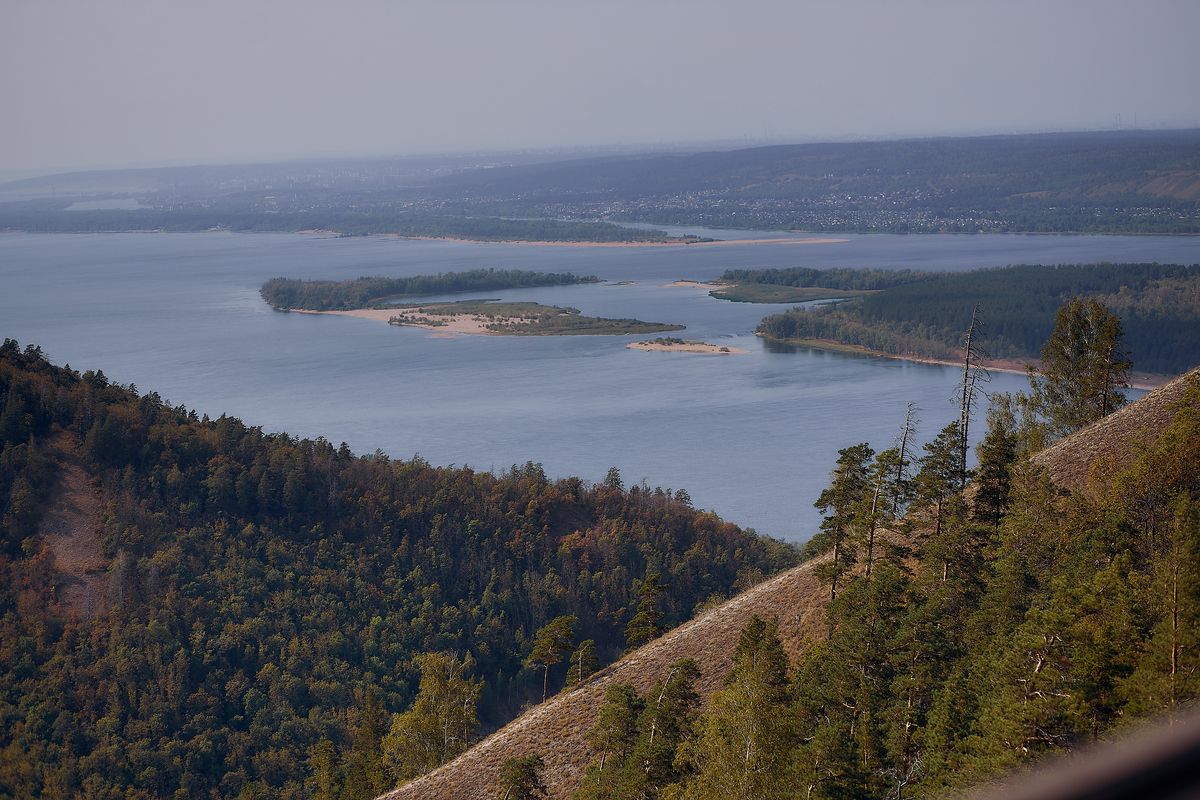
{"points": [[320, 295], [803, 284], [924, 315]]}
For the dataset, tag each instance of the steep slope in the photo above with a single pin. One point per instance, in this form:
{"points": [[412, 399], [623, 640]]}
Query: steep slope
{"points": [[557, 729], [1114, 441]]}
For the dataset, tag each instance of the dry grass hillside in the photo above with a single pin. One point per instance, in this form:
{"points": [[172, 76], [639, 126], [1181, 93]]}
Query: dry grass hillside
{"points": [[558, 728], [1115, 440]]}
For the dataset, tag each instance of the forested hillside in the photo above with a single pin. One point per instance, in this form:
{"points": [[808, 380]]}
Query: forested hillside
{"points": [[266, 597], [926, 315]]}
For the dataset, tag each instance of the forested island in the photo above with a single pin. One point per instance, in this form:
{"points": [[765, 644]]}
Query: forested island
{"points": [[926, 315], [257, 606], [367, 292]]}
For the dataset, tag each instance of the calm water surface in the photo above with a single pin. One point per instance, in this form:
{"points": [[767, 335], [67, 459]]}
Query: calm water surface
{"points": [[752, 437]]}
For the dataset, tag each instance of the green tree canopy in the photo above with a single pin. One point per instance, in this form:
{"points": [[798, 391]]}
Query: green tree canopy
{"points": [[550, 644], [1084, 366], [442, 721]]}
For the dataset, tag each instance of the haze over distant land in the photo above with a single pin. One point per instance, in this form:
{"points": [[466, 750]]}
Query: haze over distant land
{"points": [[98, 85]]}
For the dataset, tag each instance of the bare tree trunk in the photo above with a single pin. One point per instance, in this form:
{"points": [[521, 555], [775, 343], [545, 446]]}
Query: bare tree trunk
{"points": [[871, 530]]}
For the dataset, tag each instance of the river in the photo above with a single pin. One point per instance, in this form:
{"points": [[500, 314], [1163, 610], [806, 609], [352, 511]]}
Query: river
{"points": [[752, 437]]}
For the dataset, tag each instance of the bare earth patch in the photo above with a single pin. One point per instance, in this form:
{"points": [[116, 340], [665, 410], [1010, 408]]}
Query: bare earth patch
{"points": [[70, 530]]}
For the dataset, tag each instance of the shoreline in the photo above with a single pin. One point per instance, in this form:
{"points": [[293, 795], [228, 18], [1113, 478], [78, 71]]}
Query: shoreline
{"points": [[680, 242], [1145, 381]]}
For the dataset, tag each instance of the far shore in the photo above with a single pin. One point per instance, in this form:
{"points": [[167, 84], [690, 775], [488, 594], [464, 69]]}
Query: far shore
{"points": [[1138, 380], [681, 242]]}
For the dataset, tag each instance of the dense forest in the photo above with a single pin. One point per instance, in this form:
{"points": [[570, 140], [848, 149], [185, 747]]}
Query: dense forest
{"points": [[1159, 306], [270, 602], [970, 634], [287, 293]]}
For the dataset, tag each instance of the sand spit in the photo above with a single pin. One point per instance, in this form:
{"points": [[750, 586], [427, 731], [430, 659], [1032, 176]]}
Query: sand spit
{"points": [[708, 287], [682, 242], [418, 317], [686, 347]]}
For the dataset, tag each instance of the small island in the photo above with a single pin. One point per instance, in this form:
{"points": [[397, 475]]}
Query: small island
{"points": [[670, 344], [294, 294], [496, 318]]}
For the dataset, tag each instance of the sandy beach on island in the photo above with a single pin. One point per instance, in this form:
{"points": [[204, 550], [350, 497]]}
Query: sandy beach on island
{"points": [[708, 287], [454, 323], [687, 347]]}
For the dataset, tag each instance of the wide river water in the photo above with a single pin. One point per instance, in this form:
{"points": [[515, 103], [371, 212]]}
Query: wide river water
{"points": [[752, 437]]}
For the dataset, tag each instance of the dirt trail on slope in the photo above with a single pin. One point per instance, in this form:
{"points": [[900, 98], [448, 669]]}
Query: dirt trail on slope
{"points": [[71, 530]]}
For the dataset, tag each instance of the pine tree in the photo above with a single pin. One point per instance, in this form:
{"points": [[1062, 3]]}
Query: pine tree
{"points": [[646, 624], [550, 644], [841, 503], [324, 768], [997, 453], [743, 749], [613, 737], [1084, 366], [582, 662], [521, 778], [665, 724], [442, 720], [365, 773], [937, 482]]}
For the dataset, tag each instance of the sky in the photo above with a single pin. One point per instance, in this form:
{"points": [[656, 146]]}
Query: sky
{"points": [[108, 83]]}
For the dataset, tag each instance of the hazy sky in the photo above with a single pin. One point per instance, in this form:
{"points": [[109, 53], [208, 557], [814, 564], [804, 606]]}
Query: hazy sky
{"points": [[126, 82]]}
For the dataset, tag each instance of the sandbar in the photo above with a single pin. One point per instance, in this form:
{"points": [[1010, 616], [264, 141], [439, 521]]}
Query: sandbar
{"points": [[681, 242], [708, 287], [686, 347], [414, 317]]}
